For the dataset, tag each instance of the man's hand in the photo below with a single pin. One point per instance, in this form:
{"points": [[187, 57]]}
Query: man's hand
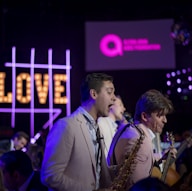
{"points": [[173, 152]]}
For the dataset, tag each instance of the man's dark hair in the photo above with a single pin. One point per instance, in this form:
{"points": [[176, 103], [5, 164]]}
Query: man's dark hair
{"points": [[93, 81], [153, 101], [17, 161], [21, 134]]}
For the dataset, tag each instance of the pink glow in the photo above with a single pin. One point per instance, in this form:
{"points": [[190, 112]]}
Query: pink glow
{"points": [[143, 41], [129, 41], [114, 51], [120, 45], [135, 41], [142, 47]]}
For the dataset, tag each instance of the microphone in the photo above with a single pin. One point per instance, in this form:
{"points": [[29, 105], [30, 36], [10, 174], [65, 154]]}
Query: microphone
{"points": [[128, 117]]}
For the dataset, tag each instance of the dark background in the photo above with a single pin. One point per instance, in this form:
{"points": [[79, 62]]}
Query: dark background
{"points": [[60, 25]]}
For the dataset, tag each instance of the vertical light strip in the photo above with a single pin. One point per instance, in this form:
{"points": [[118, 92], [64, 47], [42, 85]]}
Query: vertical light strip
{"points": [[68, 105], [50, 72], [13, 86], [32, 61]]}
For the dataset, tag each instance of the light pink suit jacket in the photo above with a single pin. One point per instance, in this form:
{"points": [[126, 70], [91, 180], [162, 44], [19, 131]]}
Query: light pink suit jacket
{"points": [[144, 158], [69, 162]]}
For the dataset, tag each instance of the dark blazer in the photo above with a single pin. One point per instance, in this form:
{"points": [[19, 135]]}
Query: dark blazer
{"points": [[35, 183]]}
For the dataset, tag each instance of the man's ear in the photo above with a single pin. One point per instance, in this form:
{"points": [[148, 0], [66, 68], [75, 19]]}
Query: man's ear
{"points": [[93, 93], [15, 139], [144, 116]]}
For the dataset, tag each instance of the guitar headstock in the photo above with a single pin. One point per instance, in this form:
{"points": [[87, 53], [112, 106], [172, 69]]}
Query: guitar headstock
{"points": [[170, 138]]}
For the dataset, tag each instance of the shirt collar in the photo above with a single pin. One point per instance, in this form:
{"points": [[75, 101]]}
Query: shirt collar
{"points": [[87, 116], [152, 135], [12, 146], [114, 124], [149, 131]]}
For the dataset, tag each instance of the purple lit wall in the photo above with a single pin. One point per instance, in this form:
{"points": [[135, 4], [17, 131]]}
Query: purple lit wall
{"points": [[129, 45]]}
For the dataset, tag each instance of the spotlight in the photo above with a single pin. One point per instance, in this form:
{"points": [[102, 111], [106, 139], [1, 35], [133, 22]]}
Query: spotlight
{"points": [[179, 84]]}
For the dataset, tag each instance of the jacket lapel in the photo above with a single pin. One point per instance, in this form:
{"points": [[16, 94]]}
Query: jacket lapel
{"points": [[88, 140]]}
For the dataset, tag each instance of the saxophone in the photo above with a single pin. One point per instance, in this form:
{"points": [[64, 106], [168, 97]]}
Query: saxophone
{"points": [[127, 167]]}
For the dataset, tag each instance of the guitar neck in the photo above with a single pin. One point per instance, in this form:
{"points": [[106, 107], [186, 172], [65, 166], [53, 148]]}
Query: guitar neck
{"points": [[180, 150], [166, 167], [168, 160]]}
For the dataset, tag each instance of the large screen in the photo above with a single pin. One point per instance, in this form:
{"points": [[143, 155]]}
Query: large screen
{"points": [[129, 45]]}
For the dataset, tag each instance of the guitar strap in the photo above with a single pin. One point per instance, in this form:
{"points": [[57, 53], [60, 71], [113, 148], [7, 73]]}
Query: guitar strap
{"points": [[111, 159]]}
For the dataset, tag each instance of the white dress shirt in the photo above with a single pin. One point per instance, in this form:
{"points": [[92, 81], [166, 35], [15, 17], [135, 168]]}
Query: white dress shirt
{"points": [[108, 129]]}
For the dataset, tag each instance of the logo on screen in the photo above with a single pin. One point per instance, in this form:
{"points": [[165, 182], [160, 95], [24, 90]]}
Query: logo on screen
{"points": [[112, 45]]}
